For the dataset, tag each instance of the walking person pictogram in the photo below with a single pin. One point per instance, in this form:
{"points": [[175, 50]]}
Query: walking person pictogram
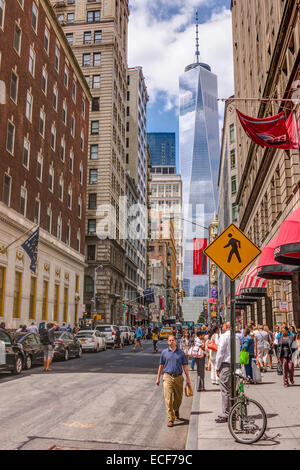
{"points": [[235, 245]]}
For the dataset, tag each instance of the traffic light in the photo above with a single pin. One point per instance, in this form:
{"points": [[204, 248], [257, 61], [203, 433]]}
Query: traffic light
{"points": [[184, 293], [123, 303]]}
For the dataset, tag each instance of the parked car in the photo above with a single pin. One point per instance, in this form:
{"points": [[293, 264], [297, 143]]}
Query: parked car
{"points": [[66, 345], [128, 334], [32, 347], [92, 340], [165, 332], [110, 331], [12, 357]]}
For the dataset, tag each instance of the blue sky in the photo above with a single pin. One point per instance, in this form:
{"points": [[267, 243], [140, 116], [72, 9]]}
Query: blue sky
{"points": [[166, 44]]}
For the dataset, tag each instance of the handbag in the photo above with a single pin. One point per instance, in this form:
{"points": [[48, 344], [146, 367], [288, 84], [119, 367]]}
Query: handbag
{"points": [[197, 352], [212, 346], [188, 391], [244, 357]]}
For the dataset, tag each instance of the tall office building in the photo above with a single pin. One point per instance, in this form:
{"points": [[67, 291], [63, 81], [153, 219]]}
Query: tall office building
{"points": [[162, 148], [97, 33], [199, 161]]}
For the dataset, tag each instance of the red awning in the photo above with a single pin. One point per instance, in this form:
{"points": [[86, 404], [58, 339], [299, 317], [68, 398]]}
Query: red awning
{"points": [[268, 268], [251, 281], [287, 250]]}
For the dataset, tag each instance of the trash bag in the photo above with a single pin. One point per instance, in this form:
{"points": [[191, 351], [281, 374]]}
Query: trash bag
{"points": [[256, 373]]}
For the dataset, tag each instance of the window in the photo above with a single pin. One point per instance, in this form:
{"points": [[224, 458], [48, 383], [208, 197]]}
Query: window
{"points": [[73, 126], [91, 252], [14, 86], [92, 202], [87, 37], [17, 295], [59, 228], [49, 220], [70, 17], [234, 213], [82, 140], [92, 226], [37, 207], [69, 37], [233, 185], [83, 108], [29, 101], [39, 171], [64, 113], [34, 18], [2, 11], [87, 79], [232, 159], [31, 66], [232, 133], [70, 197], [79, 207], [26, 152], [74, 88], [55, 97], [32, 301], [96, 81], [17, 38], [88, 285], [94, 127], [78, 245], [61, 17], [6, 189], [93, 16], [23, 200], [66, 76], [53, 137], [96, 104], [68, 234], [10, 138], [44, 80], [71, 161], [46, 39], [81, 173], [62, 149], [61, 188], [42, 122], [94, 152], [86, 60], [93, 176], [51, 179], [98, 37], [97, 59], [56, 60]]}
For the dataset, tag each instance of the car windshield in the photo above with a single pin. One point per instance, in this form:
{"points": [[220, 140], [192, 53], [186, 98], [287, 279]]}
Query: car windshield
{"points": [[104, 328], [86, 333], [122, 328]]}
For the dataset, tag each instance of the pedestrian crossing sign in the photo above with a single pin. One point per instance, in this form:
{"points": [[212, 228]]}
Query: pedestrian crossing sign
{"points": [[232, 252]]}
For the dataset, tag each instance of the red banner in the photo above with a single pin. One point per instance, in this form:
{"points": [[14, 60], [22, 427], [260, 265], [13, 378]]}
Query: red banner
{"points": [[200, 260], [273, 131], [162, 303]]}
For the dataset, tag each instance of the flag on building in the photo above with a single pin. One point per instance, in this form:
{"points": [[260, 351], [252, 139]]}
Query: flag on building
{"points": [[274, 131], [31, 248], [199, 258]]}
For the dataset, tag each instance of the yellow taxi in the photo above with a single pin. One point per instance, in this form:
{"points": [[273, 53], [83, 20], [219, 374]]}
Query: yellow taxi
{"points": [[165, 332]]}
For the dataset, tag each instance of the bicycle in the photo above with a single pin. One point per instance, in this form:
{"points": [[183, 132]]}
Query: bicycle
{"points": [[247, 419]]}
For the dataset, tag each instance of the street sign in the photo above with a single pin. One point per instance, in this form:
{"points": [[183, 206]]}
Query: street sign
{"points": [[283, 306], [232, 252]]}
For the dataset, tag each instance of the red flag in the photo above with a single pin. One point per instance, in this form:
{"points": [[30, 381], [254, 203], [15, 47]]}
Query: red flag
{"points": [[200, 260], [273, 131]]}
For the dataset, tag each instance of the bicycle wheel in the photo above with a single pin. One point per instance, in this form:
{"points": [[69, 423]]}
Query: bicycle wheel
{"points": [[247, 421]]}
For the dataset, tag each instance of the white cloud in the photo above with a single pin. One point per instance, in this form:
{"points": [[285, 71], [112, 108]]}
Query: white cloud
{"points": [[165, 46]]}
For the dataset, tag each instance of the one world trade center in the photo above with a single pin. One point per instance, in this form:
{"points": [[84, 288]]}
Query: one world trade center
{"points": [[199, 152]]}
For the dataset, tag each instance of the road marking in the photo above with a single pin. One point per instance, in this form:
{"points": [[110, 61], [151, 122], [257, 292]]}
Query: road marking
{"points": [[76, 424]]}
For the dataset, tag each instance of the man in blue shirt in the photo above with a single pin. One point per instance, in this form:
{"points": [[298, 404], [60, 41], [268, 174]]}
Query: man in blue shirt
{"points": [[172, 362], [138, 338]]}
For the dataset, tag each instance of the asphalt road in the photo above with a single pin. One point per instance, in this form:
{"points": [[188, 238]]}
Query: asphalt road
{"points": [[107, 400]]}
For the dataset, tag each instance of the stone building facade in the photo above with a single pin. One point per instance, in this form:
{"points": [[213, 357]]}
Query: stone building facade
{"points": [[266, 45]]}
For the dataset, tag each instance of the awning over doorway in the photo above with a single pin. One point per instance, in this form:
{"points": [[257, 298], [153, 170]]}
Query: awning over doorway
{"points": [[251, 284], [269, 268], [287, 250]]}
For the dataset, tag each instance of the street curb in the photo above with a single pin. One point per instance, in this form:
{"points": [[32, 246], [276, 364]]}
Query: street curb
{"points": [[192, 438]]}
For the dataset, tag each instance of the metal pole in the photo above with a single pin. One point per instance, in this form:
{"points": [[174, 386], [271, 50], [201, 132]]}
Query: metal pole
{"points": [[232, 343]]}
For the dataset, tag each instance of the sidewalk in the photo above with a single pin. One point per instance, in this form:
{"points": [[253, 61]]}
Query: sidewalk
{"points": [[282, 406]]}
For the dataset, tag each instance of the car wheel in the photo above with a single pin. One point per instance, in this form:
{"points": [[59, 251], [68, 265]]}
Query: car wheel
{"points": [[18, 366], [28, 362], [67, 355]]}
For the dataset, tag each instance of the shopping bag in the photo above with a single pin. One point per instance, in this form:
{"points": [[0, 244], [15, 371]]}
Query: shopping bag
{"points": [[256, 374], [244, 357], [212, 346]]}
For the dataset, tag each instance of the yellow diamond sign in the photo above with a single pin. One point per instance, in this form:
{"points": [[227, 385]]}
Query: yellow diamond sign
{"points": [[232, 252]]}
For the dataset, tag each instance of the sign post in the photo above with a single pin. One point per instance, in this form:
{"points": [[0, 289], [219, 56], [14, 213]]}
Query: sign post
{"points": [[232, 251]]}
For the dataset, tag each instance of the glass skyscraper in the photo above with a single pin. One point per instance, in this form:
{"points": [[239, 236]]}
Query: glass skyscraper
{"points": [[162, 148], [199, 155]]}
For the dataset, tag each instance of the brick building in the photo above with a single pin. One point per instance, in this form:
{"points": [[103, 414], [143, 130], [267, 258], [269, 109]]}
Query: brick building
{"points": [[43, 168]]}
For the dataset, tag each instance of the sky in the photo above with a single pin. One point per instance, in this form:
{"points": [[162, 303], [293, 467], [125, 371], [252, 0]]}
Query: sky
{"points": [[162, 41]]}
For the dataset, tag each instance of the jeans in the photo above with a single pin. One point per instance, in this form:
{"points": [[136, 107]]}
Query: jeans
{"points": [[193, 363], [200, 373], [248, 368]]}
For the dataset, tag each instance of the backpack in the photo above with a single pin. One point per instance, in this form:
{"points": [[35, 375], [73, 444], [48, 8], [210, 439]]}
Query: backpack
{"points": [[44, 335]]}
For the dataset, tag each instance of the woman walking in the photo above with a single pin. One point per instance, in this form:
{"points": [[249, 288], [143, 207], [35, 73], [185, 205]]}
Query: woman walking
{"points": [[155, 339], [248, 345], [118, 341], [199, 345], [185, 344], [214, 337], [285, 353]]}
